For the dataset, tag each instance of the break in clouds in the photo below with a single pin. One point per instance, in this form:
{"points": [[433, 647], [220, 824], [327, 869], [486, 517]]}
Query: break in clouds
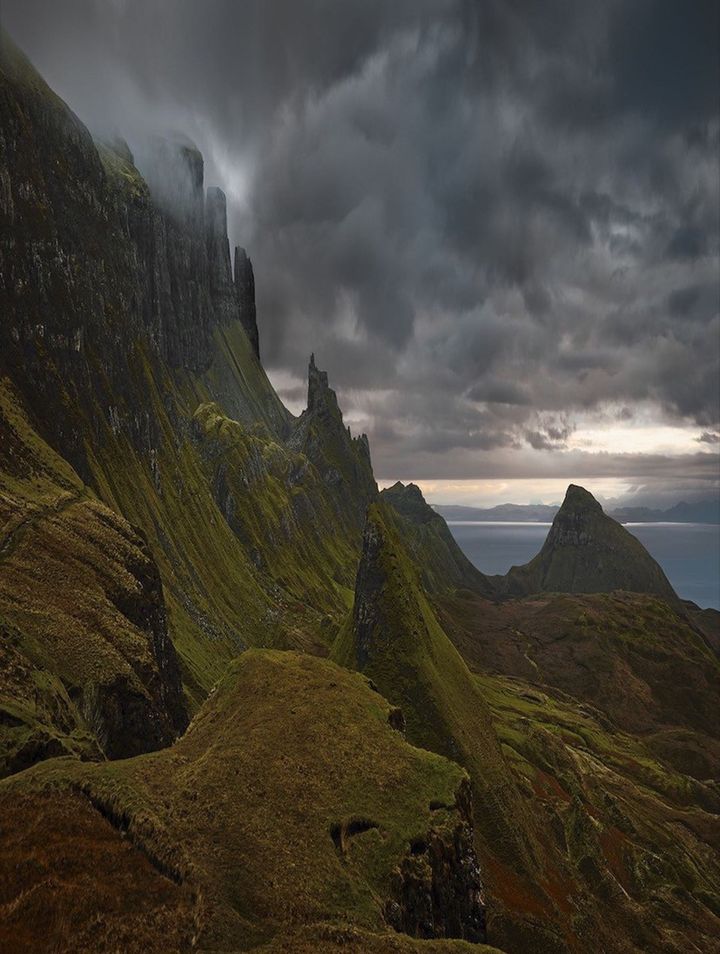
{"points": [[495, 223]]}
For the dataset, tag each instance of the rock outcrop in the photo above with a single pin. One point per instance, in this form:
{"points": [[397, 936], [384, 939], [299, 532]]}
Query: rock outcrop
{"points": [[437, 890], [588, 552], [245, 296], [342, 460]]}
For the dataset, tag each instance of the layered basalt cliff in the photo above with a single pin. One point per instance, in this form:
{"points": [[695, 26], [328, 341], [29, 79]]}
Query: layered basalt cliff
{"points": [[94, 269]]}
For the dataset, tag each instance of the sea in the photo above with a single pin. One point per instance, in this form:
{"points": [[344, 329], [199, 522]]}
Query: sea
{"points": [[689, 553]]}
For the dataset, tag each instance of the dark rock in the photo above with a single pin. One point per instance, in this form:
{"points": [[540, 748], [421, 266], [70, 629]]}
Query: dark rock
{"points": [[437, 892], [342, 460], [588, 552], [245, 291]]}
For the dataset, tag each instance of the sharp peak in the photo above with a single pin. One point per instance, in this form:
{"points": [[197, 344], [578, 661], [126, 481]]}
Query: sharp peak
{"points": [[410, 487], [577, 497]]}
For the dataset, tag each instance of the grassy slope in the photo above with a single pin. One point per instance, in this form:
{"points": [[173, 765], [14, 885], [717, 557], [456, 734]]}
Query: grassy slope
{"points": [[237, 816], [634, 829], [71, 574], [633, 656]]}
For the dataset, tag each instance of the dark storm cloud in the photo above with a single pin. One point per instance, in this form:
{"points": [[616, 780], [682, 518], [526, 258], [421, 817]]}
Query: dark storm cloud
{"points": [[485, 218]]}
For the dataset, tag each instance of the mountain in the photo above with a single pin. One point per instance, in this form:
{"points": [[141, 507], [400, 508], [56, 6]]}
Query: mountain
{"points": [[702, 511], [432, 545], [181, 766], [141, 434], [588, 552], [534, 513]]}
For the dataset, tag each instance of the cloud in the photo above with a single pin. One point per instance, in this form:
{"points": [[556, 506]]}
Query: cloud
{"points": [[486, 219]]}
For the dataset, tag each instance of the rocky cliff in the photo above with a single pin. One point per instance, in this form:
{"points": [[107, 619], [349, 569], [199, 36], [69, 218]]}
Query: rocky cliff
{"points": [[128, 339]]}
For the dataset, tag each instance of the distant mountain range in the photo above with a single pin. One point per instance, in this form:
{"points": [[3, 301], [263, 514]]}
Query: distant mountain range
{"points": [[703, 511]]}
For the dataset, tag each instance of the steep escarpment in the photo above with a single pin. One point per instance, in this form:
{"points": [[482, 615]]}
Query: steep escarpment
{"points": [[123, 319], [588, 552], [290, 800]]}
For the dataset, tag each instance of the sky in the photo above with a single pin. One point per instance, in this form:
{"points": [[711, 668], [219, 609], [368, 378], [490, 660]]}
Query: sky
{"points": [[495, 222]]}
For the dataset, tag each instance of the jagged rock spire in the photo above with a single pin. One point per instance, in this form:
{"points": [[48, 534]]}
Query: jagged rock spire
{"points": [[321, 397], [245, 291]]}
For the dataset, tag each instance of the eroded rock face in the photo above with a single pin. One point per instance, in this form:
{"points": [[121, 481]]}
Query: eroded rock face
{"points": [[437, 891], [128, 721], [95, 264], [245, 294], [87, 666]]}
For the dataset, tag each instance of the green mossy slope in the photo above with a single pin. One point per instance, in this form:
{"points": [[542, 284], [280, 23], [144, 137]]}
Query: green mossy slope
{"points": [[636, 658], [239, 817], [87, 665], [641, 838]]}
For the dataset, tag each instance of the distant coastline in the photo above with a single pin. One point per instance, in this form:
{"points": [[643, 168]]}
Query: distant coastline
{"points": [[704, 511]]}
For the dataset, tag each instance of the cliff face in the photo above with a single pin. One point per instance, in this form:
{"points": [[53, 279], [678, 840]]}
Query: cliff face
{"points": [[94, 269]]}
